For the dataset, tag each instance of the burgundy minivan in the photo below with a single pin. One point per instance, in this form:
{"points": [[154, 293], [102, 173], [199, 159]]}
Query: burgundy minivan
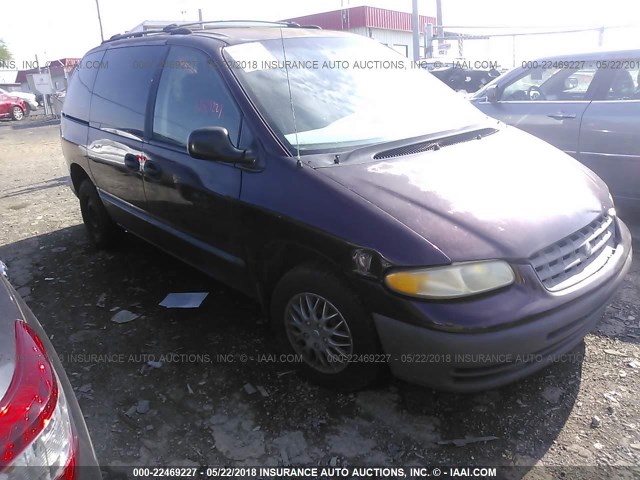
{"points": [[378, 218]]}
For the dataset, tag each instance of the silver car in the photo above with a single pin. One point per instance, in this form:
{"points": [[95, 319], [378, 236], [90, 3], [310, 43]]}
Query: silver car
{"points": [[586, 104]]}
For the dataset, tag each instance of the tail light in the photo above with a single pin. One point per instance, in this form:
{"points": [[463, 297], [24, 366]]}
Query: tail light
{"points": [[35, 426]]}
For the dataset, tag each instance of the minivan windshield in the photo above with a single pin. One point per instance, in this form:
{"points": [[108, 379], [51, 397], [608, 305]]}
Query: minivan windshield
{"points": [[345, 92]]}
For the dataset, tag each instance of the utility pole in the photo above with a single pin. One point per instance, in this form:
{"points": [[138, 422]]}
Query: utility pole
{"points": [[100, 21], [440, 33], [439, 15], [415, 27], [439, 30], [428, 40], [601, 37]]}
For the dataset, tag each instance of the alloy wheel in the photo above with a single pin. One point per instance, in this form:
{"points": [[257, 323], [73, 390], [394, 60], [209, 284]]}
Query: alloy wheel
{"points": [[318, 332], [18, 114]]}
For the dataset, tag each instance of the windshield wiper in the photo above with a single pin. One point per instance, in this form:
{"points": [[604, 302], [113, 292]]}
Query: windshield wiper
{"points": [[396, 148], [435, 144]]}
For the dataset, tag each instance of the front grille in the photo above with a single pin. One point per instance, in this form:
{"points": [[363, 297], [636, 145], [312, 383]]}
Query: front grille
{"points": [[577, 256]]}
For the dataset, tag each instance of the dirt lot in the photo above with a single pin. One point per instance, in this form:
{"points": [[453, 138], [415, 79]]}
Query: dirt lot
{"points": [[192, 404]]}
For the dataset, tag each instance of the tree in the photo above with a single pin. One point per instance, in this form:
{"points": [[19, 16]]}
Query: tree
{"points": [[5, 54]]}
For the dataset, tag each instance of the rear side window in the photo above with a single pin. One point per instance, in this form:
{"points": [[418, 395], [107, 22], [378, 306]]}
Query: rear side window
{"points": [[625, 84], [122, 88], [192, 95], [78, 98]]}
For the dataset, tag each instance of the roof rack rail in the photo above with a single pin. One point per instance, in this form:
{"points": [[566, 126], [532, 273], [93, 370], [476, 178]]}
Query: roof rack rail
{"points": [[183, 28], [239, 23], [121, 36]]}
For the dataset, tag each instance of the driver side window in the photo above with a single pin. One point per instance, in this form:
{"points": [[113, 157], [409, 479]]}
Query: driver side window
{"points": [[519, 90], [552, 84], [191, 95]]}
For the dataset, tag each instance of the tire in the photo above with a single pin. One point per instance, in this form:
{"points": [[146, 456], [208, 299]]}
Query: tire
{"points": [[103, 231], [294, 299], [28, 109], [17, 113]]}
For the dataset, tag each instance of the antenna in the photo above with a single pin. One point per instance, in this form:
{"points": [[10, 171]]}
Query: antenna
{"points": [[293, 110]]}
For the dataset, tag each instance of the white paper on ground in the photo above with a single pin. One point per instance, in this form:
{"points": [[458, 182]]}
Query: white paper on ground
{"points": [[184, 300]]}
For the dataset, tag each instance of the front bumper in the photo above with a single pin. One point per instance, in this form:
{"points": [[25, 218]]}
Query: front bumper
{"points": [[479, 360]]}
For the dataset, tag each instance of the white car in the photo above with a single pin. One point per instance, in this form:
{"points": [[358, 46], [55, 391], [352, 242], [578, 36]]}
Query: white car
{"points": [[28, 98]]}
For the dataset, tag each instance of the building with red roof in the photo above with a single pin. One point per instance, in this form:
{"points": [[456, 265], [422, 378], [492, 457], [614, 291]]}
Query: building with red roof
{"points": [[391, 27]]}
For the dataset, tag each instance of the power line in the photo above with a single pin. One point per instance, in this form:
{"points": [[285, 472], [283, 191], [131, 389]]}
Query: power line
{"points": [[452, 35]]}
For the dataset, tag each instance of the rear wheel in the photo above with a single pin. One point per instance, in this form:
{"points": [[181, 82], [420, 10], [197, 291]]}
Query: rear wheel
{"points": [[17, 113], [103, 231], [318, 317]]}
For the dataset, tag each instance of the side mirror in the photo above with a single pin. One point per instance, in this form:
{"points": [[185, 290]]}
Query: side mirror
{"points": [[213, 143], [492, 93]]}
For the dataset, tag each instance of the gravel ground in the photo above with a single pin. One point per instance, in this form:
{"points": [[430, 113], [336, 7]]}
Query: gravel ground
{"points": [[201, 386]]}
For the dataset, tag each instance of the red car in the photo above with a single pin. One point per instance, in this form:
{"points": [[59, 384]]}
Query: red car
{"points": [[12, 107]]}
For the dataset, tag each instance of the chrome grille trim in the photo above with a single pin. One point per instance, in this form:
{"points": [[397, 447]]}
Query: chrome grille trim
{"points": [[577, 256]]}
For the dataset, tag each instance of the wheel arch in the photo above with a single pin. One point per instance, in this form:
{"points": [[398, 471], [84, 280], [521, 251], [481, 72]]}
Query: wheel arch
{"points": [[78, 175], [280, 257], [330, 284]]}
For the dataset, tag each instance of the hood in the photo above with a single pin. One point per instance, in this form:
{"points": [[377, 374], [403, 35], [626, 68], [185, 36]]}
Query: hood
{"points": [[507, 195]]}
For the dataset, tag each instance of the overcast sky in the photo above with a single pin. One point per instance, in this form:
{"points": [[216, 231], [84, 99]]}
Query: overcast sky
{"points": [[68, 28]]}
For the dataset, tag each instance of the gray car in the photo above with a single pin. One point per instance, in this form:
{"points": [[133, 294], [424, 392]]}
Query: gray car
{"points": [[42, 430], [588, 105]]}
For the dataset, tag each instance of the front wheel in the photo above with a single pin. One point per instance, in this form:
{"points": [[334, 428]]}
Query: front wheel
{"points": [[317, 316], [17, 113], [103, 231]]}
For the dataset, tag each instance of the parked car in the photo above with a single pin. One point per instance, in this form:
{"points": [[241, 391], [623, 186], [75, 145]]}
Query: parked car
{"points": [[376, 225], [12, 107], [467, 80], [462, 74], [29, 99], [41, 425], [435, 63], [587, 105]]}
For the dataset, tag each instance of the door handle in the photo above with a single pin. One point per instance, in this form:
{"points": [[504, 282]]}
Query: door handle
{"points": [[561, 116], [152, 170], [132, 162]]}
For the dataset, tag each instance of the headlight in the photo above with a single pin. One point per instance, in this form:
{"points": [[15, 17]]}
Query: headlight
{"points": [[612, 211], [452, 281]]}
